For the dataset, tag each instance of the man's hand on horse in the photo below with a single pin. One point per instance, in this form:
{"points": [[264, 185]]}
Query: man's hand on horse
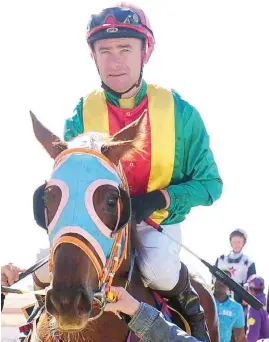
{"points": [[145, 205], [125, 302], [9, 274]]}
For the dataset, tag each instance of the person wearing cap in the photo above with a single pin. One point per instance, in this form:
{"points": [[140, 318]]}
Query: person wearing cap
{"points": [[240, 265], [177, 170], [230, 313], [257, 320]]}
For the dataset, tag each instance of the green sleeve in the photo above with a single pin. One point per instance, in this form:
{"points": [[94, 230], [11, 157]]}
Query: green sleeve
{"points": [[201, 184], [74, 126]]}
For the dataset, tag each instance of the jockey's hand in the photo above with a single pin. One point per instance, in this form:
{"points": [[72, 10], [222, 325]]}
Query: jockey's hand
{"points": [[125, 302], [145, 205], [9, 274]]}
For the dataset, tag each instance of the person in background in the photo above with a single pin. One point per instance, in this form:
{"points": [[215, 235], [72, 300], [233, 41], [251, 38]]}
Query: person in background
{"points": [[9, 274], [239, 264], [230, 313], [257, 320]]}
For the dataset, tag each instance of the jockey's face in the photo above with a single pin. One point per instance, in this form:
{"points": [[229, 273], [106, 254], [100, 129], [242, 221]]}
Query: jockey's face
{"points": [[237, 243], [119, 62]]}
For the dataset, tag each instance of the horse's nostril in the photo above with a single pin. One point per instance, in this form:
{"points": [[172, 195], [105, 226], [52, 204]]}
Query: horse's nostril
{"points": [[69, 300], [84, 304], [50, 307]]}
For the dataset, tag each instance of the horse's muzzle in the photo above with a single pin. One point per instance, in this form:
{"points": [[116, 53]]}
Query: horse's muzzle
{"points": [[70, 303]]}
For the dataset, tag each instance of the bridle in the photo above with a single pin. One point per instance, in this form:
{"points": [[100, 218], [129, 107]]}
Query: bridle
{"points": [[119, 248]]}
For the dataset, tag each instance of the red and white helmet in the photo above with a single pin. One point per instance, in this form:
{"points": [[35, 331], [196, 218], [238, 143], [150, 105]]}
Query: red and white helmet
{"points": [[122, 21]]}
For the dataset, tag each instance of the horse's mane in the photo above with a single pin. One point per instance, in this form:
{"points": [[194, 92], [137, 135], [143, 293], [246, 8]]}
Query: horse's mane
{"points": [[197, 277]]}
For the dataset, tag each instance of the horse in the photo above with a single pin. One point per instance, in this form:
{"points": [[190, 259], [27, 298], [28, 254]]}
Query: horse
{"points": [[92, 244]]}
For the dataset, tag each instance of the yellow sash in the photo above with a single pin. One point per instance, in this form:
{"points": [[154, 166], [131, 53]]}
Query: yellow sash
{"points": [[162, 124]]}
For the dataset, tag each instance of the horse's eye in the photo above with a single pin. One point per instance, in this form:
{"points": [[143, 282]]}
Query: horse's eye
{"points": [[112, 202], [52, 198]]}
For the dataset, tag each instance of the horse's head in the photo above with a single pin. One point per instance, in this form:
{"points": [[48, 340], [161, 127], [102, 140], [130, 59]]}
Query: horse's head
{"points": [[85, 207]]}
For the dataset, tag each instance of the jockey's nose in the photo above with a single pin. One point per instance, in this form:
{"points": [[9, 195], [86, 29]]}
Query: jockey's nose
{"points": [[74, 300]]}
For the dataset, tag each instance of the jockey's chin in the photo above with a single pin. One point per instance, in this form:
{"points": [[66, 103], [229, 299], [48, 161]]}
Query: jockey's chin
{"points": [[119, 83]]}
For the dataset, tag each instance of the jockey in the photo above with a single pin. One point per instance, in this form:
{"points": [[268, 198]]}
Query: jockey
{"points": [[257, 320], [240, 266], [177, 170]]}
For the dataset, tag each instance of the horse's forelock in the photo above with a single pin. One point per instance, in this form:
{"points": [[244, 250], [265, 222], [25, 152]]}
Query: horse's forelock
{"points": [[92, 140]]}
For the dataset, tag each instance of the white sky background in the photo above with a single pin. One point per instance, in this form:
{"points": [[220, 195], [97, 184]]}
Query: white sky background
{"points": [[214, 53]]}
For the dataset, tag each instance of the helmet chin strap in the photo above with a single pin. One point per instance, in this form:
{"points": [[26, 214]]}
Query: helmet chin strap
{"points": [[119, 94]]}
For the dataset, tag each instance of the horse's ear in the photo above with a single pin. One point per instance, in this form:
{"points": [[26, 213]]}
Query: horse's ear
{"points": [[52, 144], [131, 139]]}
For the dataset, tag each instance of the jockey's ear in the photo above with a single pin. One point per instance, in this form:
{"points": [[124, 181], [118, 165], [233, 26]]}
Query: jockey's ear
{"points": [[52, 144], [128, 141]]}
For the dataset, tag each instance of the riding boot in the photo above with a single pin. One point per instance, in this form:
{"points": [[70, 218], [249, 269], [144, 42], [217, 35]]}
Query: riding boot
{"points": [[185, 299]]}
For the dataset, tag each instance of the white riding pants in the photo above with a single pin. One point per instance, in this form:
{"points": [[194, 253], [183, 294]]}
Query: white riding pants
{"points": [[158, 255]]}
